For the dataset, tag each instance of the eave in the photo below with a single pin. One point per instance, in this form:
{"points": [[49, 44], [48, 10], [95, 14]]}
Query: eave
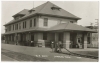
{"points": [[42, 15]]}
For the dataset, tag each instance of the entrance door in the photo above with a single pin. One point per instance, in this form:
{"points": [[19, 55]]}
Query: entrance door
{"points": [[32, 37], [60, 38], [73, 40]]}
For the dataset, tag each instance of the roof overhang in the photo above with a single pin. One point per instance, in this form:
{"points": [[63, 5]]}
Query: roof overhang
{"points": [[18, 15], [58, 16], [43, 15]]}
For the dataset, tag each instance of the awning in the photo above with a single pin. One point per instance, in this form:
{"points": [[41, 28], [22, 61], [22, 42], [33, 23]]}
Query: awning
{"points": [[60, 27], [71, 27]]}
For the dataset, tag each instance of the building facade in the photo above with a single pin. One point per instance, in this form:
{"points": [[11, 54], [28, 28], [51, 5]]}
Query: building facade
{"points": [[44, 24], [95, 37]]}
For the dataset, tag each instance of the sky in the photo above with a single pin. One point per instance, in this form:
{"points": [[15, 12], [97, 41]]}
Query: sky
{"points": [[88, 11]]}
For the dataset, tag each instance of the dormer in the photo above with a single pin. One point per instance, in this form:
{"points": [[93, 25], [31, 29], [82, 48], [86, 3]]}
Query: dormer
{"points": [[20, 14], [55, 8], [32, 10]]}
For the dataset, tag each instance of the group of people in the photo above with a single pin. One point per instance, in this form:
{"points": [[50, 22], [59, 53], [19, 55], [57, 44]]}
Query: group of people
{"points": [[29, 43], [56, 47]]}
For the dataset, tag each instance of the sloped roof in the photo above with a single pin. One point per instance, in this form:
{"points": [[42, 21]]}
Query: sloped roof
{"points": [[70, 26], [23, 12], [45, 9], [59, 27]]}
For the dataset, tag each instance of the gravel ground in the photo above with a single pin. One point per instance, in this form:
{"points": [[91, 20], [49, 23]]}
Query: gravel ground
{"points": [[24, 53], [93, 53], [20, 56]]}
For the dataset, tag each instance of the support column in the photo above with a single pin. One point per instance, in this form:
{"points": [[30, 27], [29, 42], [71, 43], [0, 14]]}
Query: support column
{"points": [[56, 41], [56, 37], [35, 39], [90, 39], [66, 40], [5, 38], [85, 40], [40, 39], [15, 37], [8, 39]]}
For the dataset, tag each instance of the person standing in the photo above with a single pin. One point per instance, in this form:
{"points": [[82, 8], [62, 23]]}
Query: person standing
{"points": [[52, 45], [32, 43], [60, 45]]}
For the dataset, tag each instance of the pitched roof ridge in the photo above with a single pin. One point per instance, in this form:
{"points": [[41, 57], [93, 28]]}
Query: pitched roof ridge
{"points": [[43, 6], [64, 9]]}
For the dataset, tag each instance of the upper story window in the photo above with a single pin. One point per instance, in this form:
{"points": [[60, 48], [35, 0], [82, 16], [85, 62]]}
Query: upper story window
{"points": [[25, 24], [45, 21], [9, 27], [30, 23], [13, 26], [6, 30], [19, 25], [34, 22]]}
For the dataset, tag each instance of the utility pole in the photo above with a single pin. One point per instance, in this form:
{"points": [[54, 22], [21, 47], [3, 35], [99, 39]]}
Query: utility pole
{"points": [[97, 23], [33, 4]]}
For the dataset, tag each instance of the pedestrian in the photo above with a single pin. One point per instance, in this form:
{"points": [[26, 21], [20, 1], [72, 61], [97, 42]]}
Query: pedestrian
{"points": [[57, 46], [31, 43], [52, 45], [60, 46]]}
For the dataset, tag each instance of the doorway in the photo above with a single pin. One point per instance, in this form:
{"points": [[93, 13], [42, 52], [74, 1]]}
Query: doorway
{"points": [[32, 39], [76, 40]]}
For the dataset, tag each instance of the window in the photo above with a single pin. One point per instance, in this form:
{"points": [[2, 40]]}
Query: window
{"points": [[45, 21], [13, 27], [34, 22], [44, 36], [9, 28], [25, 24], [30, 23], [19, 25], [6, 29]]}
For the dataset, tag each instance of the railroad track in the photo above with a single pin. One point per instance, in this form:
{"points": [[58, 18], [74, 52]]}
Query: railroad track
{"points": [[82, 55]]}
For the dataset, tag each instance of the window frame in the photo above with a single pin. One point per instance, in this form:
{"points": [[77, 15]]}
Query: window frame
{"points": [[31, 23], [45, 23], [34, 22]]}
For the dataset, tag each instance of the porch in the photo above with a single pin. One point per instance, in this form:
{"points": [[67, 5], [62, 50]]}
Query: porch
{"points": [[69, 39]]}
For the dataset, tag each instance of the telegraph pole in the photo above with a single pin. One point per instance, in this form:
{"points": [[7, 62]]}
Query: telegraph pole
{"points": [[97, 23]]}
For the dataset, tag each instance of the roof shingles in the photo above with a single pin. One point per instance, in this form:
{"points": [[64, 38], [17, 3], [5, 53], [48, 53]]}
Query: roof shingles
{"points": [[46, 9]]}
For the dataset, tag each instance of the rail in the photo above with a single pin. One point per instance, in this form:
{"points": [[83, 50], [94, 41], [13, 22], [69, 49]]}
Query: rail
{"points": [[82, 55]]}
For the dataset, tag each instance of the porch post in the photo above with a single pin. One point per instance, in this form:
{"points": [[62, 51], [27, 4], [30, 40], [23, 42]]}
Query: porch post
{"points": [[56, 40], [91, 39], [85, 40], [66, 40], [56, 37], [5, 38]]}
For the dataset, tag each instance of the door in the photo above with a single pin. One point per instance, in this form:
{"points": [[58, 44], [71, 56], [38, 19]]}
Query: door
{"points": [[32, 37]]}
